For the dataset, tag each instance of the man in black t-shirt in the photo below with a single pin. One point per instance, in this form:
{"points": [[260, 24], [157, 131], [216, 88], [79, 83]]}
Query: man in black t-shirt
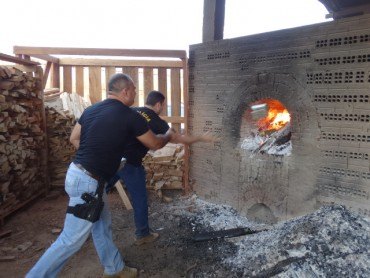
{"points": [[101, 136], [133, 173]]}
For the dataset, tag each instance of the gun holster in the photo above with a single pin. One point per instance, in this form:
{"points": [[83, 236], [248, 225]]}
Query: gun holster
{"points": [[92, 207]]}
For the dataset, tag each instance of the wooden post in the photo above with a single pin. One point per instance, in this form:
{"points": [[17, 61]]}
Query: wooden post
{"points": [[175, 96], [148, 81], [55, 76], [213, 20], [133, 72], [80, 89], [95, 89], [67, 79], [109, 71], [162, 87]]}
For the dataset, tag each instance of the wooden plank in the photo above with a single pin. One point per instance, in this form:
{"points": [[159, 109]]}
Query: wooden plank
{"points": [[55, 76], [67, 79], [100, 51], [174, 119], [95, 90], [175, 96], [123, 195], [46, 74], [162, 87], [46, 57], [12, 59], [119, 63], [133, 72], [148, 81], [80, 80], [109, 71]]}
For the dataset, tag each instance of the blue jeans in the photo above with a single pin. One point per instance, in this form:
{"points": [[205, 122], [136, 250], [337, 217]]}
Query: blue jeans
{"points": [[134, 179], [76, 232]]}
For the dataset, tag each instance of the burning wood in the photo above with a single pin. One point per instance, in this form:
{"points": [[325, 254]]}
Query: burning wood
{"points": [[274, 129]]}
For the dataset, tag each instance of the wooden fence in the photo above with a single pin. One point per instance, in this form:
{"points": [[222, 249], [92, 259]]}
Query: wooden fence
{"points": [[82, 72]]}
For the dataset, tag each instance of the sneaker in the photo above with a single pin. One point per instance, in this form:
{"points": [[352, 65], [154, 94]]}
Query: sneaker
{"points": [[146, 239], [127, 272]]}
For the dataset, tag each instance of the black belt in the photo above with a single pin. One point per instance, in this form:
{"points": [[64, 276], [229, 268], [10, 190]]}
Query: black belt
{"points": [[79, 166]]}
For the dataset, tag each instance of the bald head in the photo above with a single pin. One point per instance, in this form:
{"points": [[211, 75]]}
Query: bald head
{"points": [[118, 82]]}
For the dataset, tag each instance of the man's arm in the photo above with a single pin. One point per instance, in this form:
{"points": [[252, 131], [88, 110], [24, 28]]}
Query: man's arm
{"points": [[155, 142], [190, 139], [75, 136]]}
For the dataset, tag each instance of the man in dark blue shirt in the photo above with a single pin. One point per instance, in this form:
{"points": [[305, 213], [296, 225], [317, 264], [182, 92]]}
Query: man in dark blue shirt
{"points": [[133, 173], [101, 135]]}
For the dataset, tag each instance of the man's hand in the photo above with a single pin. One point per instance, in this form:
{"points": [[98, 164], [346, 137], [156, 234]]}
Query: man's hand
{"points": [[173, 135], [208, 137]]}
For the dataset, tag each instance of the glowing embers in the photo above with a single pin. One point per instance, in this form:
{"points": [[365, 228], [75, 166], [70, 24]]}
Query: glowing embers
{"points": [[266, 128]]}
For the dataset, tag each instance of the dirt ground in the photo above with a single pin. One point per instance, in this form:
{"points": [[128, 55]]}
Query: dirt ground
{"points": [[330, 242], [175, 254]]}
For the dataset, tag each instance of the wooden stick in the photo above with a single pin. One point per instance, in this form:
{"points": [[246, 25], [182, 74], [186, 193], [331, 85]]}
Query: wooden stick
{"points": [[123, 195]]}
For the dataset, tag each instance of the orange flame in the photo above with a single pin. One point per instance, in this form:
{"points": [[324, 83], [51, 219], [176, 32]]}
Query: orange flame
{"points": [[276, 118]]}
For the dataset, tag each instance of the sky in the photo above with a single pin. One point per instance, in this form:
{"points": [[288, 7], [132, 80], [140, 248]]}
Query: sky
{"points": [[141, 24]]}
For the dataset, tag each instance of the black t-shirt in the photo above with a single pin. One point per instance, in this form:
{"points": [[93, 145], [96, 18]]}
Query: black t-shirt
{"points": [[106, 129], [135, 151]]}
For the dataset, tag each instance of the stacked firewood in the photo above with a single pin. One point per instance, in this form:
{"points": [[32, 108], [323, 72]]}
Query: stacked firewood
{"points": [[62, 111], [22, 139], [165, 168], [61, 151]]}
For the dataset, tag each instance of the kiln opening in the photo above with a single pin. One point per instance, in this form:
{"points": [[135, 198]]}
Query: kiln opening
{"points": [[266, 128]]}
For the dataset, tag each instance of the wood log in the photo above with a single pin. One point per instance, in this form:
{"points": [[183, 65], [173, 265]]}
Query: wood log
{"points": [[164, 168]]}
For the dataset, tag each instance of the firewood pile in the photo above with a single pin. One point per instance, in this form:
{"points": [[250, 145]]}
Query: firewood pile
{"points": [[60, 120], [61, 151], [165, 168], [22, 141]]}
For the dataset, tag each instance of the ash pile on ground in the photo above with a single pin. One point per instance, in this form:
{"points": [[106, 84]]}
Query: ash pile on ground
{"points": [[331, 242]]}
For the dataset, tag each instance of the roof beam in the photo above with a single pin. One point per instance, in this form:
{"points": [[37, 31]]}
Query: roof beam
{"points": [[28, 50], [351, 11], [119, 63]]}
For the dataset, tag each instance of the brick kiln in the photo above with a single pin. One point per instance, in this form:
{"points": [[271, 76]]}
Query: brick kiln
{"points": [[320, 76]]}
